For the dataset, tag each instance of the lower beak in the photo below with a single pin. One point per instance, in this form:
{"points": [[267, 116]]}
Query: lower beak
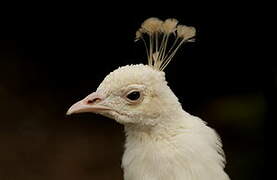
{"points": [[92, 103]]}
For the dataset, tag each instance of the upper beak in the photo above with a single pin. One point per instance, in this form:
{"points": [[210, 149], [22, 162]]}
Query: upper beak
{"points": [[91, 103]]}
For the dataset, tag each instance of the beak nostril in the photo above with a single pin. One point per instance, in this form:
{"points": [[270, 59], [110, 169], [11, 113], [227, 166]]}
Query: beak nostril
{"points": [[92, 101]]}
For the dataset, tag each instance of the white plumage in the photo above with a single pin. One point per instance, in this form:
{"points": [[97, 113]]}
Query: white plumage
{"points": [[163, 142]]}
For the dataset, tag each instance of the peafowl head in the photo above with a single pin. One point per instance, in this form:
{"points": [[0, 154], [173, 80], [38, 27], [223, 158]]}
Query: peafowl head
{"points": [[139, 94]]}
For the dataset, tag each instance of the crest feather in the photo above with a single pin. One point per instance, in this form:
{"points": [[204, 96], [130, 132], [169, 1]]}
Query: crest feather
{"points": [[159, 32]]}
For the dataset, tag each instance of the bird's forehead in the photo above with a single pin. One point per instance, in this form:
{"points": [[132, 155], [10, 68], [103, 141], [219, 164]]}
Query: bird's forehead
{"points": [[131, 74]]}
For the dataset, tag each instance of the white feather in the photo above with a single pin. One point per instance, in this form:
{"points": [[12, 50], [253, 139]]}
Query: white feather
{"points": [[180, 147], [163, 142]]}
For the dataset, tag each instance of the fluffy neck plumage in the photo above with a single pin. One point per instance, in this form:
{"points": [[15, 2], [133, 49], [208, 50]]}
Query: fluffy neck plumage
{"points": [[166, 127], [181, 149]]}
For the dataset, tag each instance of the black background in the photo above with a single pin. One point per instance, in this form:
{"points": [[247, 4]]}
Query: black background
{"points": [[53, 55]]}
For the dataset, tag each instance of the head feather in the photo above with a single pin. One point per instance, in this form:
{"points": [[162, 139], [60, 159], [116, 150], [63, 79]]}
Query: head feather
{"points": [[158, 53]]}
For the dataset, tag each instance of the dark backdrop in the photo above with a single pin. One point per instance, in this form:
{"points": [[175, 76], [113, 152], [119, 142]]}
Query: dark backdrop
{"points": [[51, 57]]}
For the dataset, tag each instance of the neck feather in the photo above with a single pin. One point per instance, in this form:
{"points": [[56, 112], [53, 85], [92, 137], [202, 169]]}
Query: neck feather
{"points": [[168, 126]]}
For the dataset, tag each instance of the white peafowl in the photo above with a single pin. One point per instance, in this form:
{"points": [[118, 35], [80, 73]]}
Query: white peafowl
{"points": [[163, 142]]}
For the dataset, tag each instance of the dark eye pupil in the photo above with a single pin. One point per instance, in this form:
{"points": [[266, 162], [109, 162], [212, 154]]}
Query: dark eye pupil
{"points": [[133, 95]]}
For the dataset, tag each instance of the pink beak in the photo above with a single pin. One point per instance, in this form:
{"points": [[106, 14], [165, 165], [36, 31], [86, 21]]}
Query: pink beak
{"points": [[91, 103]]}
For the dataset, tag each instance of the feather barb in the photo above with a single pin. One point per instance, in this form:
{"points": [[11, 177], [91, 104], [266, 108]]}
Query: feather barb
{"points": [[159, 32]]}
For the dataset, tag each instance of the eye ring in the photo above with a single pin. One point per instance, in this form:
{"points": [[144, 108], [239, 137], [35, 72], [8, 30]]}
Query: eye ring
{"points": [[134, 96]]}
